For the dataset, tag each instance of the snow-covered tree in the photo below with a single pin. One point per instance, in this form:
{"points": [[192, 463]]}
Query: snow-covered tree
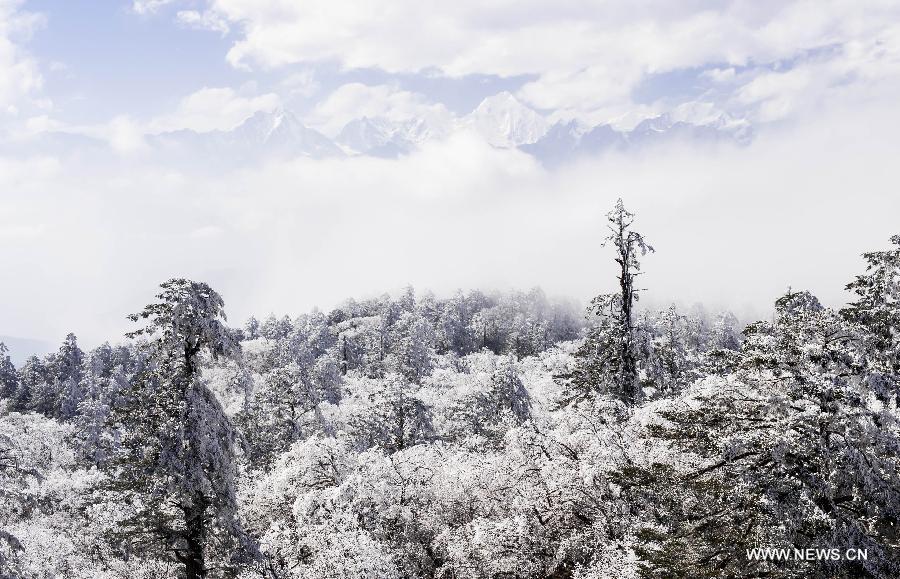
{"points": [[282, 410], [412, 346], [9, 379], [69, 360], [795, 448], [68, 373], [672, 351], [877, 308], [251, 328], [274, 328], [387, 413], [404, 438], [726, 332], [32, 391], [175, 466], [453, 326], [608, 360], [491, 404]]}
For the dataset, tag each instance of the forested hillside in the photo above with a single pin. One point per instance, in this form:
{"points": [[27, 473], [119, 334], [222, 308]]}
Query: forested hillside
{"points": [[482, 435]]}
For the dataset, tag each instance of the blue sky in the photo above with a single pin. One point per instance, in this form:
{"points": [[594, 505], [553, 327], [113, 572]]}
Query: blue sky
{"points": [[118, 62], [86, 239]]}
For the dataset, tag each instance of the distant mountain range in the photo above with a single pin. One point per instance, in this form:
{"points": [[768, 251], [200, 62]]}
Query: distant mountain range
{"points": [[564, 141], [384, 138], [264, 135], [501, 120]]}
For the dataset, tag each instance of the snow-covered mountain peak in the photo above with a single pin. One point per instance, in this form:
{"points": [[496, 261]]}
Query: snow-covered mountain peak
{"points": [[505, 122], [656, 124], [368, 135], [384, 137], [265, 134], [501, 101], [263, 125]]}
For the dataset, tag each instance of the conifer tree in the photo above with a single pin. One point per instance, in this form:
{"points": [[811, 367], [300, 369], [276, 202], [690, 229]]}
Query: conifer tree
{"points": [[9, 380], [877, 308], [795, 449], [68, 374], [176, 462], [31, 390], [608, 359]]}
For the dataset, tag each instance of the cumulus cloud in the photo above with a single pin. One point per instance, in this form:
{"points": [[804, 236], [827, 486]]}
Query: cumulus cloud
{"points": [[862, 70], [210, 109], [41, 123], [207, 109], [20, 76], [144, 7], [302, 83], [206, 20], [584, 56]]}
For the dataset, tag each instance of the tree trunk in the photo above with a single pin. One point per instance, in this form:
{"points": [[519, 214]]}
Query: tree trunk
{"points": [[195, 538], [629, 385], [195, 514]]}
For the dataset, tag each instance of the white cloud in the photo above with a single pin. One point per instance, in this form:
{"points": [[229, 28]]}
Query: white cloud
{"points": [[355, 100], [776, 92], [721, 75], [146, 7], [206, 232], [206, 20], [207, 109], [591, 88], [860, 71], [21, 232], [795, 207], [40, 124], [20, 76], [210, 109], [731, 225], [124, 135], [302, 83], [585, 56]]}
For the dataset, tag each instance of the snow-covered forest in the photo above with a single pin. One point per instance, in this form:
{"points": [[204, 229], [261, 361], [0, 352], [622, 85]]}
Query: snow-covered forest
{"points": [[481, 435]]}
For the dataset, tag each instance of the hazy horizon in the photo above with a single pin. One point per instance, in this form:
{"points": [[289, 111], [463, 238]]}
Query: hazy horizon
{"points": [[93, 218]]}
